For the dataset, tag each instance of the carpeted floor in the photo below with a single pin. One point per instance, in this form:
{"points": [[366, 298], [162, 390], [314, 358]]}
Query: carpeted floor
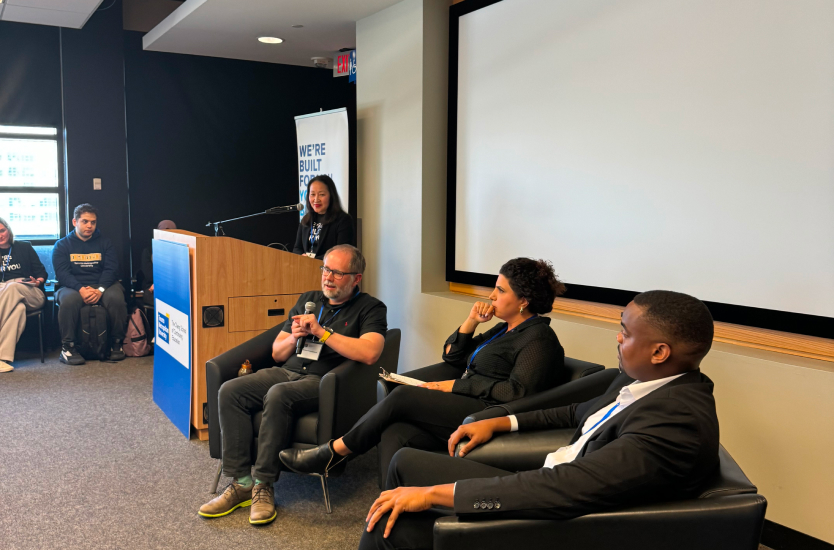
{"points": [[88, 461]]}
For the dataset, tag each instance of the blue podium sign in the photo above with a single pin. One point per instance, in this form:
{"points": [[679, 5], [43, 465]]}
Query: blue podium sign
{"points": [[172, 354]]}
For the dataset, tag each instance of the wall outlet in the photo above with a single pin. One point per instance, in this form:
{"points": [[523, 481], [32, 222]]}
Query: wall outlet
{"points": [[96, 184]]}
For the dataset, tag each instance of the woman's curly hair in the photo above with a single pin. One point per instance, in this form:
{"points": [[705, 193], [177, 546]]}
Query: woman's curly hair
{"points": [[534, 280]]}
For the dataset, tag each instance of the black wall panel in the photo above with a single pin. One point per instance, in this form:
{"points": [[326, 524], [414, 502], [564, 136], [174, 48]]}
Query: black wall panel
{"points": [[212, 139]]}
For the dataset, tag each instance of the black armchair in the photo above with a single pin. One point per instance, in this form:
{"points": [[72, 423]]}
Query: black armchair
{"points": [[726, 515], [345, 394]]}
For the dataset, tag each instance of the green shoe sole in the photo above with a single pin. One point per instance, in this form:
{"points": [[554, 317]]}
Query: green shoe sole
{"points": [[243, 504], [264, 521]]}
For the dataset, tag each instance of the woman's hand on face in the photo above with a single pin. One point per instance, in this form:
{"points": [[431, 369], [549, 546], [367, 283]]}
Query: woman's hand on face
{"points": [[444, 386], [481, 312]]}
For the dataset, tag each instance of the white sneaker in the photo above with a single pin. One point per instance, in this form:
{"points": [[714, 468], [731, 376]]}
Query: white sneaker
{"points": [[5, 367]]}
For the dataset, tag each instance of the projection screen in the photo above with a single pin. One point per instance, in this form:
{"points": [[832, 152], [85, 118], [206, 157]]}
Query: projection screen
{"points": [[640, 144]]}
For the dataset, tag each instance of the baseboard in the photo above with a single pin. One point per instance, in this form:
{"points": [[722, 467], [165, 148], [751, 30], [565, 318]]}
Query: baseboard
{"points": [[779, 537]]}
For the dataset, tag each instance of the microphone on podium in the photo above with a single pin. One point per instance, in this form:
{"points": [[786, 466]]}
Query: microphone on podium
{"points": [[282, 209], [309, 307]]}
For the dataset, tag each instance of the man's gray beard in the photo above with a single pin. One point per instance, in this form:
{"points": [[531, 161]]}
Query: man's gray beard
{"points": [[337, 295]]}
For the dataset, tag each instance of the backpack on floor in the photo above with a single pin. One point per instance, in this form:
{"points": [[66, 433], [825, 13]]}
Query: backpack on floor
{"points": [[93, 340], [138, 336]]}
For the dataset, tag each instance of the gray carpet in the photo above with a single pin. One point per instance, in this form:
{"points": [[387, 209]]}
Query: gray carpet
{"points": [[87, 460]]}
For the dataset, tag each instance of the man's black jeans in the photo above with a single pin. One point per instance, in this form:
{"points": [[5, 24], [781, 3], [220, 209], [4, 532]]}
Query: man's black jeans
{"points": [[283, 396]]}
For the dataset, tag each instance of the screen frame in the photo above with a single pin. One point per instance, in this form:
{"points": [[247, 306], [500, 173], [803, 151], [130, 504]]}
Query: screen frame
{"points": [[784, 321]]}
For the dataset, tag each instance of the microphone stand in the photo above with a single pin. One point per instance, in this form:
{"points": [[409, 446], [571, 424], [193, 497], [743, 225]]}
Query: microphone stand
{"points": [[218, 227]]}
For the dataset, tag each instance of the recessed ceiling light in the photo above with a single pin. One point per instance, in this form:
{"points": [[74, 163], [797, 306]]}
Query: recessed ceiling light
{"points": [[269, 40], [294, 26]]}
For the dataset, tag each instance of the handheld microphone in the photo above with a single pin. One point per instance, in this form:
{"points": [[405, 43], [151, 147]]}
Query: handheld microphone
{"points": [[283, 209], [309, 307]]}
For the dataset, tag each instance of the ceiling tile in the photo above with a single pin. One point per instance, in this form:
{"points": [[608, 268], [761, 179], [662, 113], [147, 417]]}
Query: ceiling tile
{"points": [[81, 6], [35, 16]]}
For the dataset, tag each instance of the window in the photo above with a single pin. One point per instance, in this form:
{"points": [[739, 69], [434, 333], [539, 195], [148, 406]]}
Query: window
{"points": [[29, 182]]}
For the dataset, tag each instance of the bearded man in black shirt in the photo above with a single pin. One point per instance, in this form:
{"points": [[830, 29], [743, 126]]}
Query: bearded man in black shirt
{"points": [[345, 324]]}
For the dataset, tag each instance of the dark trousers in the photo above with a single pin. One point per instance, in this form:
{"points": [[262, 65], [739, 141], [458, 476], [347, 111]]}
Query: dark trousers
{"points": [[410, 417], [416, 468], [283, 396], [69, 314]]}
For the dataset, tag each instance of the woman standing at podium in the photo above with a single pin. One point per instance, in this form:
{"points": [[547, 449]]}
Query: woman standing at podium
{"points": [[325, 224]]}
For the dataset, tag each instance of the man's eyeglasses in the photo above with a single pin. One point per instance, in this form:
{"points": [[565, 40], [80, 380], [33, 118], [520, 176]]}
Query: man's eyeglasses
{"points": [[336, 274]]}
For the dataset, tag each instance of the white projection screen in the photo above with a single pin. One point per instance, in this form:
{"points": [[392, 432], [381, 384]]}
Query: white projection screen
{"points": [[639, 144]]}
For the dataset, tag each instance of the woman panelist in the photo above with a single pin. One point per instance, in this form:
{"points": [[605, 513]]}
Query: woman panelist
{"points": [[518, 357], [325, 224], [21, 272]]}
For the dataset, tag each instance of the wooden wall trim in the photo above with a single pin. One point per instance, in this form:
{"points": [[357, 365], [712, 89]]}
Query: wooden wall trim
{"points": [[749, 337]]}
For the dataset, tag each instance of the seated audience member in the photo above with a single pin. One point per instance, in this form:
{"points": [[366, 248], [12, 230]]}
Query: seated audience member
{"points": [[649, 439], [518, 357], [346, 324], [325, 224], [147, 266], [21, 271], [87, 267]]}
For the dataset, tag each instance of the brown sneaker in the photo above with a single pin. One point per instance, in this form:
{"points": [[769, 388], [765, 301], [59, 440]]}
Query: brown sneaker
{"points": [[233, 497], [263, 504]]}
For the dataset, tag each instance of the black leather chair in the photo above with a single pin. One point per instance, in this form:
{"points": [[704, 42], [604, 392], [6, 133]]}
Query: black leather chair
{"points": [[345, 394], [726, 515]]}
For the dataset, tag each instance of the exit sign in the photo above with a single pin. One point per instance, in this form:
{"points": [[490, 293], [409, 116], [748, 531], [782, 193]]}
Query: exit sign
{"points": [[345, 65]]}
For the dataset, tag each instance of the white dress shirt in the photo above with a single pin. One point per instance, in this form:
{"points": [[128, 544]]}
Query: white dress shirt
{"points": [[628, 395]]}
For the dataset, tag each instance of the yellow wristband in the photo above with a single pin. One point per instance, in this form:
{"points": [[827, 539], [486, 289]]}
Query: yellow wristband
{"points": [[325, 336]]}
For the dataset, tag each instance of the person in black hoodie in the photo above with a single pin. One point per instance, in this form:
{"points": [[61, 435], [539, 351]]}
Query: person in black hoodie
{"points": [[21, 273], [87, 268], [324, 224]]}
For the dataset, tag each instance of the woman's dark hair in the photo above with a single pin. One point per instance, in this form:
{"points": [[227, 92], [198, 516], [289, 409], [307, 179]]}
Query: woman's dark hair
{"points": [[535, 281], [333, 209]]}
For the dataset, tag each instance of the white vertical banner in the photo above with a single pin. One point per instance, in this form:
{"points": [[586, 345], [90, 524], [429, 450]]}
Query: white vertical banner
{"points": [[323, 144]]}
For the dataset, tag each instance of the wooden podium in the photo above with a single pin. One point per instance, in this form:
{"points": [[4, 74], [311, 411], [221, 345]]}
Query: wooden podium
{"points": [[244, 289]]}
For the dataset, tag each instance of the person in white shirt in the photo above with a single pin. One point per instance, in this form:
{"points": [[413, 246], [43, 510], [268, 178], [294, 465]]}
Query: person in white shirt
{"points": [[652, 436]]}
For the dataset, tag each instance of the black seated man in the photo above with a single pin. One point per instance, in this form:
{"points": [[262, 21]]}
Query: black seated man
{"points": [[87, 270], [653, 436], [346, 324]]}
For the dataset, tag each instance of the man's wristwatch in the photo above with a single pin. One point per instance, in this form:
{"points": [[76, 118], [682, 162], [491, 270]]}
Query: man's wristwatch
{"points": [[101, 289], [327, 332]]}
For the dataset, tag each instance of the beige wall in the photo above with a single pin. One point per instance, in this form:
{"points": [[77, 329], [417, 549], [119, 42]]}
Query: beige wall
{"points": [[776, 412]]}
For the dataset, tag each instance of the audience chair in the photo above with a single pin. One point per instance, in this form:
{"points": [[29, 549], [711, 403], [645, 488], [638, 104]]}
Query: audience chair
{"points": [[345, 394], [726, 514], [39, 314]]}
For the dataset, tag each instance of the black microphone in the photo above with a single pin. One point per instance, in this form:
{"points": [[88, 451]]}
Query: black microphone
{"points": [[309, 307], [283, 209]]}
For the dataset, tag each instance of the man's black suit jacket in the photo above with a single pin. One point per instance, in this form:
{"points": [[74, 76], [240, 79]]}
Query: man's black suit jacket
{"points": [[664, 446]]}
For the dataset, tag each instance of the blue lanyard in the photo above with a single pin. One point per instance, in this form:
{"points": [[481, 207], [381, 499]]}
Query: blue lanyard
{"points": [[482, 346], [329, 320], [603, 419], [479, 348], [7, 262]]}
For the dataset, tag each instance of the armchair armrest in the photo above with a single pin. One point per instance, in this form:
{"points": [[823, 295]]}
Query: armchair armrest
{"points": [[729, 523], [518, 451], [224, 367], [432, 373], [345, 394], [577, 391]]}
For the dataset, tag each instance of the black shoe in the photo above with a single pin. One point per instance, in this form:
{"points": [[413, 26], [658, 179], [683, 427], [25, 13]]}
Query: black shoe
{"points": [[70, 355], [321, 460], [116, 352]]}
